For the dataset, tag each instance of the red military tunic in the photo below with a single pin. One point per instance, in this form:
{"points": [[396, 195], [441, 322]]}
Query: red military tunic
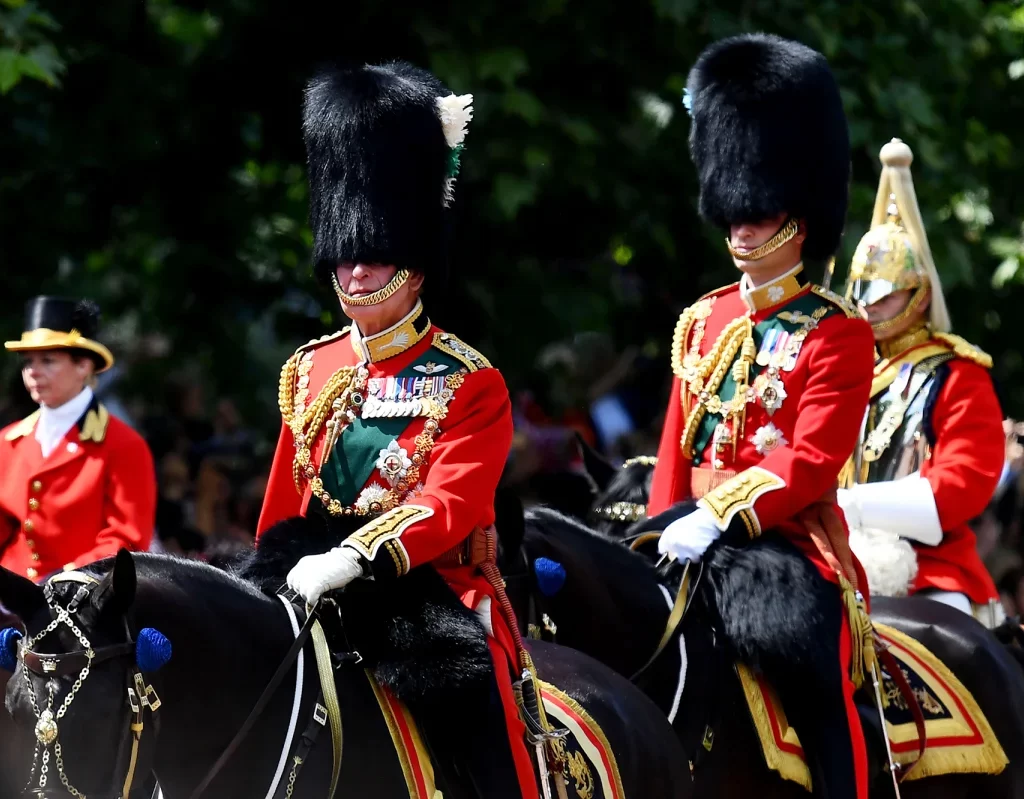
{"points": [[769, 391], [785, 459], [421, 460], [964, 464], [95, 493]]}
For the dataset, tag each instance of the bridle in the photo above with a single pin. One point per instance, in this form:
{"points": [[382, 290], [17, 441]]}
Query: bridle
{"points": [[139, 694]]}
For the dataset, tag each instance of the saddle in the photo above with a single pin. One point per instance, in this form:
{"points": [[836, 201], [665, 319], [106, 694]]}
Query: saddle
{"points": [[421, 645], [767, 603]]}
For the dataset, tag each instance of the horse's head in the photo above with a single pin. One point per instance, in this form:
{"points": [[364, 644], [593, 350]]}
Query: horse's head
{"points": [[78, 691], [623, 501]]}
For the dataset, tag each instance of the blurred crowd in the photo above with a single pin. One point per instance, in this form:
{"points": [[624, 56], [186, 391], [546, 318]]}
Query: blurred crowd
{"points": [[212, 466]]}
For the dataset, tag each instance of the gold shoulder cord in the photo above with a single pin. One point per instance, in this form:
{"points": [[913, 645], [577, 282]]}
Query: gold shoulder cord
{"points": [[710, 371]]}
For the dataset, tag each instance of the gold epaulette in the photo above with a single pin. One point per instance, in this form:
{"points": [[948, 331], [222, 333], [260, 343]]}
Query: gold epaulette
{"points": [[685, 323], [460, 351], [964, 349], [838, 300], [322, 340], [286, 384], [23, 428]]}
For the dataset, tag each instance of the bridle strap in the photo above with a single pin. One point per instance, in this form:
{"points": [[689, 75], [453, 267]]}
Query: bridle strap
{"points": [[136, 724], [69, 663], [139, 694], [261, 704]]}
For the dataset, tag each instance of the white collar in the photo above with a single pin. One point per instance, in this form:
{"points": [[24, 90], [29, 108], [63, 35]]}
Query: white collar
{"points": [[54, 423]]}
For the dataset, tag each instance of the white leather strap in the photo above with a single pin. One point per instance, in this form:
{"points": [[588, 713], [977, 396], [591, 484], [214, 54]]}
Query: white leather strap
{"points": [[296, 702]]}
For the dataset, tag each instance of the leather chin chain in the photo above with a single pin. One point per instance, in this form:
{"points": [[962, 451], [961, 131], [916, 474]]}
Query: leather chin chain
{"points": [[47, 731], [401, 276]]}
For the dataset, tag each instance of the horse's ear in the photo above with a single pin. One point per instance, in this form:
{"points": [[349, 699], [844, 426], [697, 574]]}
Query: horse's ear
{"points": [[508, 521], [117, 589], [20, 595], [600, 470]]}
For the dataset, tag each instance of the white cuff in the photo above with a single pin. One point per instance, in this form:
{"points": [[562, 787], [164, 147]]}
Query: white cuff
{"points": [[905, 507]]}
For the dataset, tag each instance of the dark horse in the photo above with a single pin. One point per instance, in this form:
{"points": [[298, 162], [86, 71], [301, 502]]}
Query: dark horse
{"points": [[711, 714], [228, 638], [12, 757]]}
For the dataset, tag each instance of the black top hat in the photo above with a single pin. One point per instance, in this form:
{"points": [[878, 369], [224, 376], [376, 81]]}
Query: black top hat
{"points": [[53, 323], [769, 137]]}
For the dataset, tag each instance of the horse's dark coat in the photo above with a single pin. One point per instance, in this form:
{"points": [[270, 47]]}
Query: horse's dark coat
{"points": [[418, 638]]}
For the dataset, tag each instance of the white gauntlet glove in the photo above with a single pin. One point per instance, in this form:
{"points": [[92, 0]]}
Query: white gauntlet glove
{"points": [[314, 575], [689, 537], [905, 507]]}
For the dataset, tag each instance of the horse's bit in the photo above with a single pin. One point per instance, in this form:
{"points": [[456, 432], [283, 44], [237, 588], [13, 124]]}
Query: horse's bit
{"points": [[139, 694]]}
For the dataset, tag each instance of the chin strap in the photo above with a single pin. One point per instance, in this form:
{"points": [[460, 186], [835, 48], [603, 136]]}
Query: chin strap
{"points": [[785, 233], [401, 276]]}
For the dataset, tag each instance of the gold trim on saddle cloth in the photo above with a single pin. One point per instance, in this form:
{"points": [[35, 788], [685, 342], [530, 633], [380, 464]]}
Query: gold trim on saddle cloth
{"points": [[959, 737], [592, 742], [405, 735], [738, 495]]}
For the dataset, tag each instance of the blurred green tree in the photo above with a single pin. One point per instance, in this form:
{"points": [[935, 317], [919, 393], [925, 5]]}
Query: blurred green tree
{"points": [[153, 160]]}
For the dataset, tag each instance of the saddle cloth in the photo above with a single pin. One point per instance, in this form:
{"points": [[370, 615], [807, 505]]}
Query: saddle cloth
{"points": [[959, 738], [589, 763]]}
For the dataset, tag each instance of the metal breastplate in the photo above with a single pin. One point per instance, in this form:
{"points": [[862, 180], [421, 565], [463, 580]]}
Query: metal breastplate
{"points": [[894, 444]]}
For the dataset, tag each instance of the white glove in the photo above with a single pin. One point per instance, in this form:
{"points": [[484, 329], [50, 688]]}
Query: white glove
{"points": [[905, 507], [314, 575], [847, 500], [689, 537]]}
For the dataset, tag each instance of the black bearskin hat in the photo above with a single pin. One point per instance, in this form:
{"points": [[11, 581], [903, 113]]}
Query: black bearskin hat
{"points": [[769, 136], [378, 167]]}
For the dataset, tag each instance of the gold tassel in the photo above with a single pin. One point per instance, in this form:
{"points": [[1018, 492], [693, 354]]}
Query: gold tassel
{"points": [[862, 653], [845, 478]]}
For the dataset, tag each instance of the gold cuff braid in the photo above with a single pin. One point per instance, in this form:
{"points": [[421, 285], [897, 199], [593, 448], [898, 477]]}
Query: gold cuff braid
{"points": [[738, 495], [384, 531]]}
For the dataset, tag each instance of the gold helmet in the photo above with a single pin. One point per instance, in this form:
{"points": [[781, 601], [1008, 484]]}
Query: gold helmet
{"points": [[894, 254]]}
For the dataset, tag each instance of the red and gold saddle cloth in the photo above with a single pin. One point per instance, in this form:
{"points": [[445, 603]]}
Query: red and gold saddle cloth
{"points": [[959, 738], [589, 763]]}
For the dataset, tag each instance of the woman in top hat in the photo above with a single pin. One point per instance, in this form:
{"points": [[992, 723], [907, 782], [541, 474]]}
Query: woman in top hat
{"points": [[771, 379], [932, 447], [76, 484], [393, 428]]}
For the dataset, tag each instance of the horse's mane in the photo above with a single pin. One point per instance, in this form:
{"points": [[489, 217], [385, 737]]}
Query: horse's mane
{"points": [[176, 570], [565, 532]]}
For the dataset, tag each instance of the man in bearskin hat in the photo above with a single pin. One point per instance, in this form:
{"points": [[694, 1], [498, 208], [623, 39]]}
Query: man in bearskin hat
{"points": [[932, 448], [78, 484], [392, 426], [772, 373]]}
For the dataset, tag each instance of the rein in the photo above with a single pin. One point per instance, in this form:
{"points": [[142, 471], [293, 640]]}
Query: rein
{"points": [[675, 618], [321, 715], [53, 666]]}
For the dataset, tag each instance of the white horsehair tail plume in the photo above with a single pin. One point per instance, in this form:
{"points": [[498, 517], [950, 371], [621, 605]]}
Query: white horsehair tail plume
{"points": [[455, 112]]}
